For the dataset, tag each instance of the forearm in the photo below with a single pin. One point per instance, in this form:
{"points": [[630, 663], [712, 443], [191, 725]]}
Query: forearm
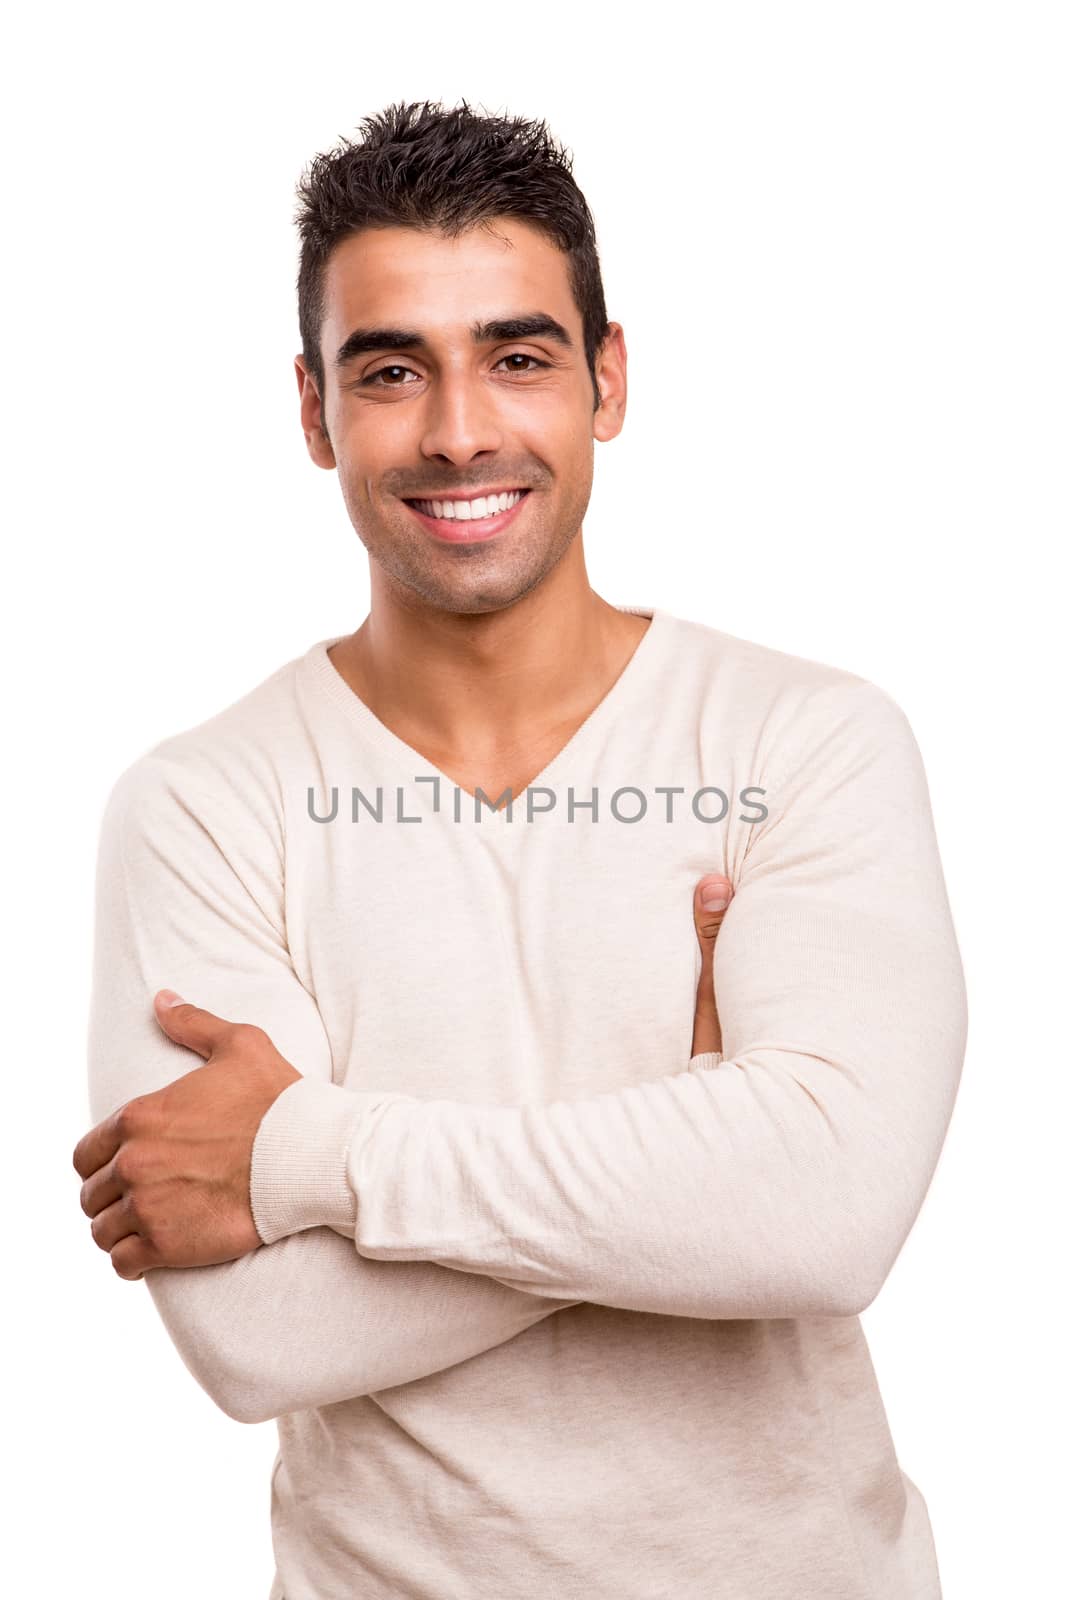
{"points": [[306, 1321], [779, 1183]]}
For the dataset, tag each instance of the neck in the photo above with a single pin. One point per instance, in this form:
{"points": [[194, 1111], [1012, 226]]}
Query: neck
{"points": [[489, 682]]}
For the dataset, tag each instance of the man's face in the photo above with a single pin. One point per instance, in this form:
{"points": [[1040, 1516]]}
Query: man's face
{"points": [[469, 410]]}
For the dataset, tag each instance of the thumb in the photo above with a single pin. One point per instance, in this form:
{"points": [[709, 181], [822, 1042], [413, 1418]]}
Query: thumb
{"points": [[186, 1024], [712, 896]]}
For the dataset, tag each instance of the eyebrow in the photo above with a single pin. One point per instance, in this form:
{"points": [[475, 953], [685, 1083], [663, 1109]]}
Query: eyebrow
{"points": [[538, 325]]}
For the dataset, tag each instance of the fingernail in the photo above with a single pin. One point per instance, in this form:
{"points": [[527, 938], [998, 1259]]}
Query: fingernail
{"points": [[170, 998], [715, 896]]}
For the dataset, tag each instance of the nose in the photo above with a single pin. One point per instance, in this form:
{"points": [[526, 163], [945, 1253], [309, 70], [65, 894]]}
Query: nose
{"points": [[461, 419]]}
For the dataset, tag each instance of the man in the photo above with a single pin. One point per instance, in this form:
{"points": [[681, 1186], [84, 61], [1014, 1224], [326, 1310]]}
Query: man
{"points": [[549, 1294]]}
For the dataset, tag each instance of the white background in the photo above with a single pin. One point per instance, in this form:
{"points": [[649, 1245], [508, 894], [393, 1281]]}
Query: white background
{"points": [[834, 236]]}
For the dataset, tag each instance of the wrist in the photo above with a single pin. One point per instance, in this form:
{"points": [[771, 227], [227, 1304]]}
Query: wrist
{"points": [[299, 1172], [704, 1058]]}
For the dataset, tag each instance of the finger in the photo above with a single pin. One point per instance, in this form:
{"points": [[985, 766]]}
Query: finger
{"points": [[97, 1147], [133, 1256], [100, 1189], [187, 1024], [711, 897], [115, 1222]]}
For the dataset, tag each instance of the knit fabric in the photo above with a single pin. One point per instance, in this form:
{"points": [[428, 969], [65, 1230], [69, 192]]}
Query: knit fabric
{"points": [[545, 1305]]}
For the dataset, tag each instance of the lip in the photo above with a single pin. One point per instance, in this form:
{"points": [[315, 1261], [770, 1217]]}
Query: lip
{"points": [[452, 531]]}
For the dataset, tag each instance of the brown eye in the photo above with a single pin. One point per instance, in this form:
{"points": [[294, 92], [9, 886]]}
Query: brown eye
{"points": [[393, 368], [373, 379]]}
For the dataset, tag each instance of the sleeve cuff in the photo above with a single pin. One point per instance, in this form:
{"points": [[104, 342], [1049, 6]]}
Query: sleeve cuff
{"points": [[299, 1173], [299, 1176]]}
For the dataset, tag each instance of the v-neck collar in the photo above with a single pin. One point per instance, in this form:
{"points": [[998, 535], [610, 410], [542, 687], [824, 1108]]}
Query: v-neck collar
{"points": [[322, 673]]}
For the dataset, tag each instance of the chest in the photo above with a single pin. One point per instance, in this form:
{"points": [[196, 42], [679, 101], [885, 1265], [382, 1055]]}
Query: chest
{"points": [[456, 953]]}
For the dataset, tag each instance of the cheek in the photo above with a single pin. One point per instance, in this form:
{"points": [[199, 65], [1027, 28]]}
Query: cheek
{"points": [[576, 469], [559, 437]]}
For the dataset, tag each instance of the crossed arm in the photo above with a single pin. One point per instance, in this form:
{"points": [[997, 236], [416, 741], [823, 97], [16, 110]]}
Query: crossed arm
{"points": [[781, 1182], [306, 1321]]}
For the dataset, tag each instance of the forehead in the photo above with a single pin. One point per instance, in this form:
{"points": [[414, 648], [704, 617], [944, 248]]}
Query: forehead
{"points": [[410, 278]]}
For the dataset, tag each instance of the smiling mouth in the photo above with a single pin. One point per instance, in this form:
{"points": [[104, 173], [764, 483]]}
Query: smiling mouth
{"points": [[476, 508], [450, 522]]}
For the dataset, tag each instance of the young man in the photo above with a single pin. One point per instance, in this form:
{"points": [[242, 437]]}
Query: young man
{"points": [[431, 1162]]}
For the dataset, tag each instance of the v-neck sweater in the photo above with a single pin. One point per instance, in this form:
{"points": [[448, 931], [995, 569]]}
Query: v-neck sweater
{"points": [[546, 1305]]}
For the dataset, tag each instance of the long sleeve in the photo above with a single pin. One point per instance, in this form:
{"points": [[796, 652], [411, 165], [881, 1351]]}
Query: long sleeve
{"points": [[188, 895], [778, 1182]]}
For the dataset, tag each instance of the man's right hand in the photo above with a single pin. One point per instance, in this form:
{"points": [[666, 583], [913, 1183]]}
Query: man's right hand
{"points": [[710, 901]]}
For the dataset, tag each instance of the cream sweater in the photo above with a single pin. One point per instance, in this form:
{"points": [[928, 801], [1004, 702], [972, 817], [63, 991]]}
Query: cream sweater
{"points": [[547, 1310]]}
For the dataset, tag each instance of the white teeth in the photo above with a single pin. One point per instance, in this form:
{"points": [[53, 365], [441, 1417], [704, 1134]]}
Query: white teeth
{"points": [[468, 510]]}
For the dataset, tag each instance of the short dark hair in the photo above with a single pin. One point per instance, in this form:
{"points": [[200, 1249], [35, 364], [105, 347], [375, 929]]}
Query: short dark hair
{"points": [[420, 166]]}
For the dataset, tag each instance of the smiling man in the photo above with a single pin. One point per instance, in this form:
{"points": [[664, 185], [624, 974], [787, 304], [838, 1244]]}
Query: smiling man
{"points": [[463, 442], [412, 1106]]}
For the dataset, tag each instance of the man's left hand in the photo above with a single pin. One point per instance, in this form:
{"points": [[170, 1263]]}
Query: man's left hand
{"points": [[167, 1175]]}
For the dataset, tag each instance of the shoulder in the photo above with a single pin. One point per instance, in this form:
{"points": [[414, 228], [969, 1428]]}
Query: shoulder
{"points": [[785, 696], [226, 770]]}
